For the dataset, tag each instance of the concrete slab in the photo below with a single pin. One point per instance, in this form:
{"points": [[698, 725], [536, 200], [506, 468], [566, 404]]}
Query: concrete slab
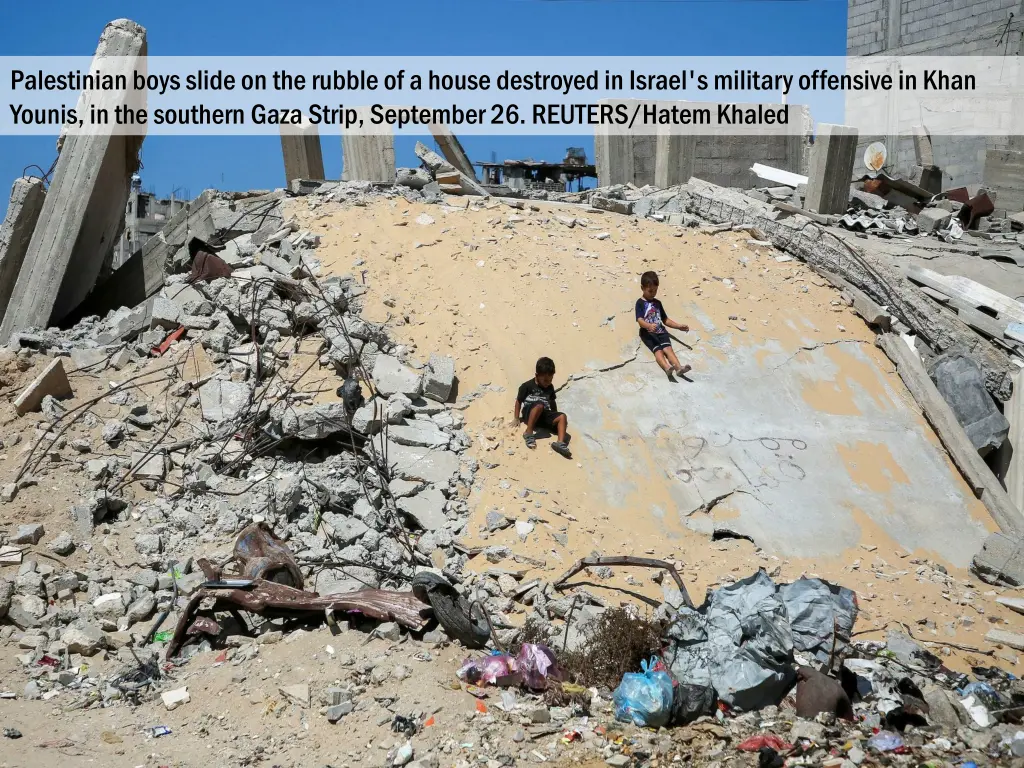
{"points": [[805, 452], [303, 155], [368, 156], [27, 196], [84, 209], [52, 381], [452, 149]]}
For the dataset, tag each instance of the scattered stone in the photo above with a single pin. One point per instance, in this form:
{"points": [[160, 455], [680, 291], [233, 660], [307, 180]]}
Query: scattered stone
{"points": [[62, 544], [297, 694]]}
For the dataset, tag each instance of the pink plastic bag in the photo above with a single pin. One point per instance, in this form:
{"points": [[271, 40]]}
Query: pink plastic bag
{"points": [[487, 670], [537, 665], [493, 667]]}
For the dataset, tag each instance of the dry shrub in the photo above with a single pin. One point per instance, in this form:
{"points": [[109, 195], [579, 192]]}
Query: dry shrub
{"points": [[615, 643]]}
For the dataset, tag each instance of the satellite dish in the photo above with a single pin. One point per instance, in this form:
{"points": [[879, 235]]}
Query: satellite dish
{"points": [[874, 156]]}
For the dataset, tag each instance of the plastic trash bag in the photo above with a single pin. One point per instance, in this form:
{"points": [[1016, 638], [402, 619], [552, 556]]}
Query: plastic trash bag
{"points": [[644, 698], [536, 664], [885, 741], [689, 662], [750, 643], [817, 610], [495, 666]]}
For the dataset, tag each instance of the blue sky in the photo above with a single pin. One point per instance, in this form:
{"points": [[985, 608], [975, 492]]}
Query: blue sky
{"points": [[396, 27]]}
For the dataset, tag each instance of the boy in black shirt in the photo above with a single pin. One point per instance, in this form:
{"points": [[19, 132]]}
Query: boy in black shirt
{"points": [[536, 407], [652, 319]]}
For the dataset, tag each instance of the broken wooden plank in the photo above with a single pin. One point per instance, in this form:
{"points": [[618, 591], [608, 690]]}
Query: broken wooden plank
{"points": [[971, 293], [1013, 640], [975, 471]]}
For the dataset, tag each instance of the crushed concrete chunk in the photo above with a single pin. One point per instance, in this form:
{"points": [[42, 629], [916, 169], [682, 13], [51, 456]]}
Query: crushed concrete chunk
{"points": [[390, 376], [52, 381]]}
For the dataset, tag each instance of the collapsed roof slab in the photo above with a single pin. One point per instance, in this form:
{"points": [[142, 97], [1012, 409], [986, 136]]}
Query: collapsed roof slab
{"points": [[83, 213], [807, 452]]}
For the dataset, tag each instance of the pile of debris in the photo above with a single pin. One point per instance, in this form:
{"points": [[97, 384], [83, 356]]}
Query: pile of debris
{"points": [[237, 397]]}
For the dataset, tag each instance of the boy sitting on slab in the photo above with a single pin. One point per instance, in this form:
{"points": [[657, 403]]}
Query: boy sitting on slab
{"points": [[652, 319], [536, 407]]}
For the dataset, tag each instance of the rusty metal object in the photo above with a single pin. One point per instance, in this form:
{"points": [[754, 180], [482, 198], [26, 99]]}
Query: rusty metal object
{"points": [[978, 206], [646, 562], [259, 555], [273, 600]]}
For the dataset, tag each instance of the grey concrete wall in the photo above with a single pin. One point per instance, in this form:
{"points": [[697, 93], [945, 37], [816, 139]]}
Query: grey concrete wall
{"points": [[1004, 175], [27, 196], [83, 214], [721, 159], [938, 28]]}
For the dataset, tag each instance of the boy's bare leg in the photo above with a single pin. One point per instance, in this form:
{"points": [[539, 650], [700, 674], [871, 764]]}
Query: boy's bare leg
{"points": [[671, 355], [561, 422], [531, 419], [662, 361]]}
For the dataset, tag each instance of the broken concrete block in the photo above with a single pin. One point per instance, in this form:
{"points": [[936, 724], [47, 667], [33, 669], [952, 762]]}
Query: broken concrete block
{"points": [[223, 400], [164, 313], [52, 381], [315, 422], [152, 467], [414, 178], [368, 156], [431, 159], [174, 699], [961, 383], [419, 432], [367, 419], [91, 359], [16, 230], [29, 534], [425, 509], [611, 204], [390, 376], [1000, 561], [440, 377], [932, 219], [83, 212], [84, 638]]}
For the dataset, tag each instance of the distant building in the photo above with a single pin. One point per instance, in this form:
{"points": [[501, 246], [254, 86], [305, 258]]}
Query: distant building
{"points": [[533, 174], [145, 215]]}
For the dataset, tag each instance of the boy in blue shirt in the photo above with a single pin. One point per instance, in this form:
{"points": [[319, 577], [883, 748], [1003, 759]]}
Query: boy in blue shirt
{"points": [[652, 319]]}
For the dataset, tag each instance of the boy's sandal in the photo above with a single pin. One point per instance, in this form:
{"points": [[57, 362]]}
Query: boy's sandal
{"points": [[562, 449], [531, 440]]}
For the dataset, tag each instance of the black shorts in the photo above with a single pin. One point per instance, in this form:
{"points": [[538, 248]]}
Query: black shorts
{"points": [[656, 341], [546, 420]]}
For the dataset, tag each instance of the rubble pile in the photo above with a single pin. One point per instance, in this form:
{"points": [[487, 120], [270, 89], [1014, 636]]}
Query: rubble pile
{"points": [[213, 421], [250, 394]]}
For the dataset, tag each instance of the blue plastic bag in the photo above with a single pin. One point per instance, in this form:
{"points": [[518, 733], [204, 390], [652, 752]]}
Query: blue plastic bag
{"points": [[644, 698]]}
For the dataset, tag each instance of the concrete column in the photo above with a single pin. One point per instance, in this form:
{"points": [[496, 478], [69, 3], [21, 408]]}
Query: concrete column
{"points": [[452, 150], [831, 169], [368, 156], [27, 196], [83, 214], [674, 156], [303, 156], [613, 152]]}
